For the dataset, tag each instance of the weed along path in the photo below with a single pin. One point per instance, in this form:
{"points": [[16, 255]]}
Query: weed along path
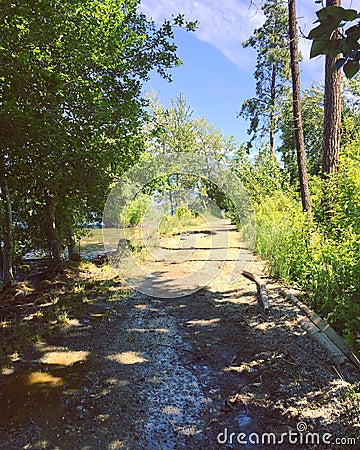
{"points": [[207, 370]]}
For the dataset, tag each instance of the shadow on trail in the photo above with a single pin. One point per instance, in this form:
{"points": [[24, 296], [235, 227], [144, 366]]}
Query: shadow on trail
{"points": [[201, 366], [268, 374]]}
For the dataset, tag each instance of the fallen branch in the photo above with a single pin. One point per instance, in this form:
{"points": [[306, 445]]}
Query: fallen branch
{"points": [[289, 362], [262, 289]]}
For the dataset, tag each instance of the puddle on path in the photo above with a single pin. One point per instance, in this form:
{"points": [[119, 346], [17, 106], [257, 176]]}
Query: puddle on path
{"points": [[30, 393], [45, 392]]}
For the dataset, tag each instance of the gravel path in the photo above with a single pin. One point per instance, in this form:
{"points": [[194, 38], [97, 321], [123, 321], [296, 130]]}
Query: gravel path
{"points": [[181, 373]]}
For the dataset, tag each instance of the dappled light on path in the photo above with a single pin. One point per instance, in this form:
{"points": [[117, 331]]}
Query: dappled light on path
{"points": [[174, 373], [128, 358]]}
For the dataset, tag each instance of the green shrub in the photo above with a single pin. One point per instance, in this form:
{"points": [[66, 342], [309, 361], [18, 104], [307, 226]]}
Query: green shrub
{"points": [[182, 219], [302, 253], [281, 237], [184, 213], [133, 214]]}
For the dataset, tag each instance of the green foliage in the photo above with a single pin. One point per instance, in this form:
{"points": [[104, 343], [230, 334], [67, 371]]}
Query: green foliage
{"points": [[301, 253], [346, 214], [262, 179], [313, 119], [281, 235], [72, 106], [181, 220], [174, 129], [318, 252], [134, 212], [329, 40], [184, 213]]}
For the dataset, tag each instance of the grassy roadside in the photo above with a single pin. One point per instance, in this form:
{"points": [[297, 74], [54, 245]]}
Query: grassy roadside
{"points": [[323, 264], [30, 314], [183, 221]]}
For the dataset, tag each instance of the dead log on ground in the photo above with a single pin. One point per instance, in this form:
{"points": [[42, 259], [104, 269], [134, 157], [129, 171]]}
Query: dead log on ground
{"points": [[262, 289]]}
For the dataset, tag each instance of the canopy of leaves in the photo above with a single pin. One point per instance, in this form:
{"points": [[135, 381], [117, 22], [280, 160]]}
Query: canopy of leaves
{"points": [[71, 103]]}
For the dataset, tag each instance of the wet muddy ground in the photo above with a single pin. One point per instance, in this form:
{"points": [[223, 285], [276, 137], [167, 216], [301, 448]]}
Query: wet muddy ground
{"points": [[203, 371]]}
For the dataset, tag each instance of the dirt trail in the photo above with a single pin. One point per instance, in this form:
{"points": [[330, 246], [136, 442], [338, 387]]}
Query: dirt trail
{"points": [[180, 373]]}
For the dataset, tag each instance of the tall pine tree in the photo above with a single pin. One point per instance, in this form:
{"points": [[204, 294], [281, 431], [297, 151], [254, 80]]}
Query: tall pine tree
{"points": [[272, 73]]}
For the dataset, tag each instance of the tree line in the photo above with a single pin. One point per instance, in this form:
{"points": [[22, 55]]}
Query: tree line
{"points": [[71, 112]]}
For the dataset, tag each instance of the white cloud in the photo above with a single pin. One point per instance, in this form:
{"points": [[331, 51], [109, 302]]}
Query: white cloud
{"points": [[224, 24]]}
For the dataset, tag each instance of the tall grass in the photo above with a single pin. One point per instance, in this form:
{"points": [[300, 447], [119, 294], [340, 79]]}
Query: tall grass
{"points": [[323, 263], [181, 220]]}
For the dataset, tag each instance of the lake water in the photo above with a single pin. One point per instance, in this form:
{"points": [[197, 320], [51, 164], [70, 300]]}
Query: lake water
{"points": [[92, 245]]}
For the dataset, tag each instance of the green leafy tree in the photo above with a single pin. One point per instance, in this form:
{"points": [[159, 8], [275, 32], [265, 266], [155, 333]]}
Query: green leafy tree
{"points": [[173, 129], [312, 114], [71, 105], [312, 102]]}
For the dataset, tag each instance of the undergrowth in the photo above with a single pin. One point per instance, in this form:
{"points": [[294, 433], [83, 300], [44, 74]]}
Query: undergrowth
{"points": [[181, 220], [31, 314], [318, 252]]}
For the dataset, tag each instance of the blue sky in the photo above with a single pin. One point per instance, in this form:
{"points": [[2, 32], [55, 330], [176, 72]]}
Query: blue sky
{"points": [[216, 75]]}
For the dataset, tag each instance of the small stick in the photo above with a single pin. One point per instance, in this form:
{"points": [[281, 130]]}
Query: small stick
{"points": [[233, 359]]}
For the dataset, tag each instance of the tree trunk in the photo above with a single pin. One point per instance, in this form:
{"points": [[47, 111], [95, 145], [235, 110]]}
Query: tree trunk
{"points": [[1, 260], [332, 112], [71, 244], [298, 126], [52, 231], [7, 252], [272, 114]]}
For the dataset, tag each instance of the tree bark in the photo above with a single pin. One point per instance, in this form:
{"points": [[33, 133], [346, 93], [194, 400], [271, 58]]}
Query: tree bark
{"points": [[7, 252], [272, 115], [71, 244], [52, 231], [298, 125], [332, 112], [1, 260]]}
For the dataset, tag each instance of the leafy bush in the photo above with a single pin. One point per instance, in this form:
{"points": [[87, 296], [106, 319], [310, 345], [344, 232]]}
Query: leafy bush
{"points": [[183, 218], [282, 237], [184, 213], [303, 253], [134, 213]]}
